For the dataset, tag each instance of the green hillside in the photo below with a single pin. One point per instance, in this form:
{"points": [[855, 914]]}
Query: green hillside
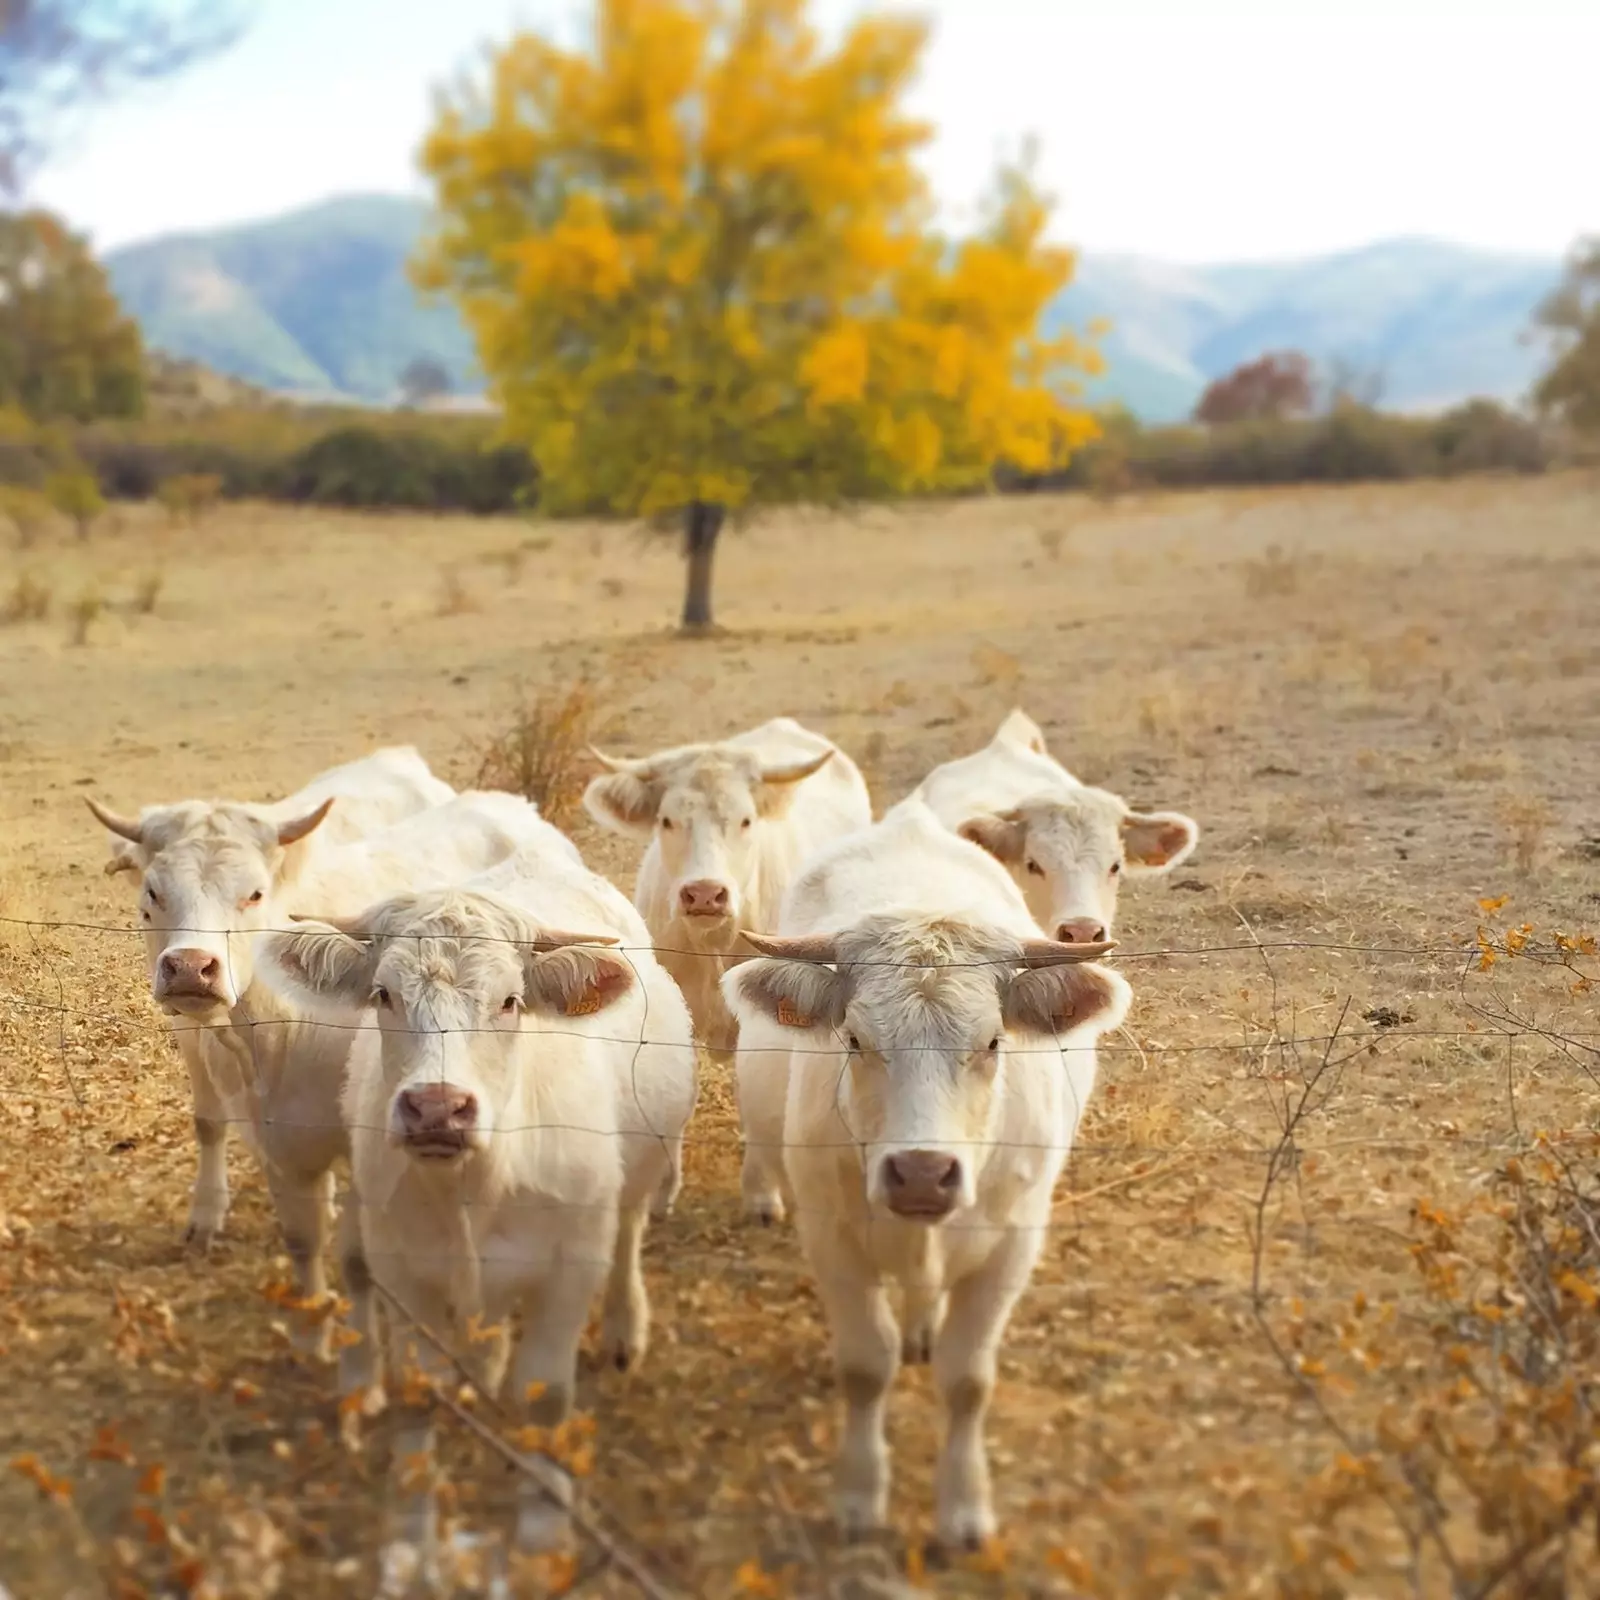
{"points": [[319, 301]]}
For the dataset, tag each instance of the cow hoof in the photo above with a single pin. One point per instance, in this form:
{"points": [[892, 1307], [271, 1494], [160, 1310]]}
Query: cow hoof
{"points": [[858, 1515], [967, 1528], [199, 1236], [768, 1211]]}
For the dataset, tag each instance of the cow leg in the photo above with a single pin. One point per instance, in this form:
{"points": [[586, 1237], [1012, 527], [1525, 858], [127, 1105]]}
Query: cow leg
{"points": [[302, 1206], [361, 1350], [866, 1350], [666, 1195], [625, 1321], [761, 1087], [208, 1209], [965, 1358], [544, 1377], [411, 1548]]}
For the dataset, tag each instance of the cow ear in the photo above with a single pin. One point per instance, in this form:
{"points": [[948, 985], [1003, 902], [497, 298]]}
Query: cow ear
{"points": [[624, 802], [1157, 841], [1003, 837], [576, 981], [1062, 999], [795, 994], [124, 857], [320, 963]]}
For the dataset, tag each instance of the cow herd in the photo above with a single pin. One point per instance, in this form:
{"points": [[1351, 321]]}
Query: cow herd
{"points": [[434, 989]]}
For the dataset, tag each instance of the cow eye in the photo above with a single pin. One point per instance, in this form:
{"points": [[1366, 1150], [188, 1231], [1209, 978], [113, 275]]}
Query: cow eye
{"points": [[854, 1043], [510, 1006], [380, 996], [1116, 867], [745, 823], [1035, 869], [154, 898], [666, 823], [255, 898], [994, 1044]]}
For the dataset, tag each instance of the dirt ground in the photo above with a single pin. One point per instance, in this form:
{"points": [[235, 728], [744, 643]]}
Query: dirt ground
{"points": [[1383, 706]]}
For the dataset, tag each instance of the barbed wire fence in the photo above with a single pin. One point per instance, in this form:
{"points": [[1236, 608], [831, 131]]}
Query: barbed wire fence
{"points": [[1299, 1073]]}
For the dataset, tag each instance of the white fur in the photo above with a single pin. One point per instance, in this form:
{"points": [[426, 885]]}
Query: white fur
{"points": [[579, 1133], [707, 792], [1066, 845], [923, 1081]]}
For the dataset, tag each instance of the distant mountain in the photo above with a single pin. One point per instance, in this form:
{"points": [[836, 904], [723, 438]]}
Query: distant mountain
{"points": [[1427, 323], [318, 303]]}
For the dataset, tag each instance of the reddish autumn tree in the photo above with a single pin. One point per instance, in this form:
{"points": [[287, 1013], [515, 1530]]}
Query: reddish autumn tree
{"points": [[1278, 384]]}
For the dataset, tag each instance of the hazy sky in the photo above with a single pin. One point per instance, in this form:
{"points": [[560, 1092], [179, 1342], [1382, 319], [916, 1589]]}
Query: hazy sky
{"points": [[1197, 130]]}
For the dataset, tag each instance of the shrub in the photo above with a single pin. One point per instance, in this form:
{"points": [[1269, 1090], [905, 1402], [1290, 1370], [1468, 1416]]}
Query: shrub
{"points": [[76, 494], [27, 511], [189, 495], [541, 755], [29, 600]]}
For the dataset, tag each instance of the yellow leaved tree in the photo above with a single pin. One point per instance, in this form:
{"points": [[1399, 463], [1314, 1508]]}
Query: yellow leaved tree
{"points": [[700, 263]]}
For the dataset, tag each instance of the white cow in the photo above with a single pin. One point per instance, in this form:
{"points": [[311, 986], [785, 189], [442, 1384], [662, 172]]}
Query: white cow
{"points": [[1067, 845], [921, 1056], [200, 839], [728, 826], [517, 1100], [218, 875]]}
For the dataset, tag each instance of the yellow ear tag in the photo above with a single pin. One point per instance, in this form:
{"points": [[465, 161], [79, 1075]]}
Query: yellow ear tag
{"points": [[789, 1016], [586, 1004]]}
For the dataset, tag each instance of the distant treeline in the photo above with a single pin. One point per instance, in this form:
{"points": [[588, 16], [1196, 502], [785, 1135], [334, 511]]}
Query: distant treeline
{"points": [[1350, 444], [417, 462], [399, 461]]}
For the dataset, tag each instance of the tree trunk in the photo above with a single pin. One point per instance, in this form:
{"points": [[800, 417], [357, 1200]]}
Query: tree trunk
{"points": [[701, 525]]}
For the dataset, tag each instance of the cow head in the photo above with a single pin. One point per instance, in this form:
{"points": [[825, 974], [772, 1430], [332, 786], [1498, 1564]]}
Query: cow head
{"points": [[1070, 852], [928, 1012], [210, 873], [455, 979], [705, 809]]}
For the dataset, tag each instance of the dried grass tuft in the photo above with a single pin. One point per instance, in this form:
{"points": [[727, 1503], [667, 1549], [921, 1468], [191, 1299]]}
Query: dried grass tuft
{"points": [[543, 754], [29, 600]]}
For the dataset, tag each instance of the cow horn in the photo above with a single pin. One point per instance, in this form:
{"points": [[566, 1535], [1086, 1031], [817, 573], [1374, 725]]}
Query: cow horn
{"points": [[557, 939], [123, 827], [1055, 953], [299, 827], [821, 948]]}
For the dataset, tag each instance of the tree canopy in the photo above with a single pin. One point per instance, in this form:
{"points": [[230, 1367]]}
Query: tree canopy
{"points": [[62, 56], [1276, 385], [1571, 314], [66, 349], [699, 260]]}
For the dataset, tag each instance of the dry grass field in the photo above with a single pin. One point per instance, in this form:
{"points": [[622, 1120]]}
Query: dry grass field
{"points": [[1382, 704]]}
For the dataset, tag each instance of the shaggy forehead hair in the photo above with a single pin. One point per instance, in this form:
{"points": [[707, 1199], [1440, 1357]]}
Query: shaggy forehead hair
{"points": [[449, 937], [930, 973], [714, 772], [1086, 820], [209, 833]]}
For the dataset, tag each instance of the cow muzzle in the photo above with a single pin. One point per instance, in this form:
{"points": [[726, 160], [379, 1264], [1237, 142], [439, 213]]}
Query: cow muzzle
{"points": [[191, 980], [922, 1185], [1081, 930], [436, 1122], [706, 899]]}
